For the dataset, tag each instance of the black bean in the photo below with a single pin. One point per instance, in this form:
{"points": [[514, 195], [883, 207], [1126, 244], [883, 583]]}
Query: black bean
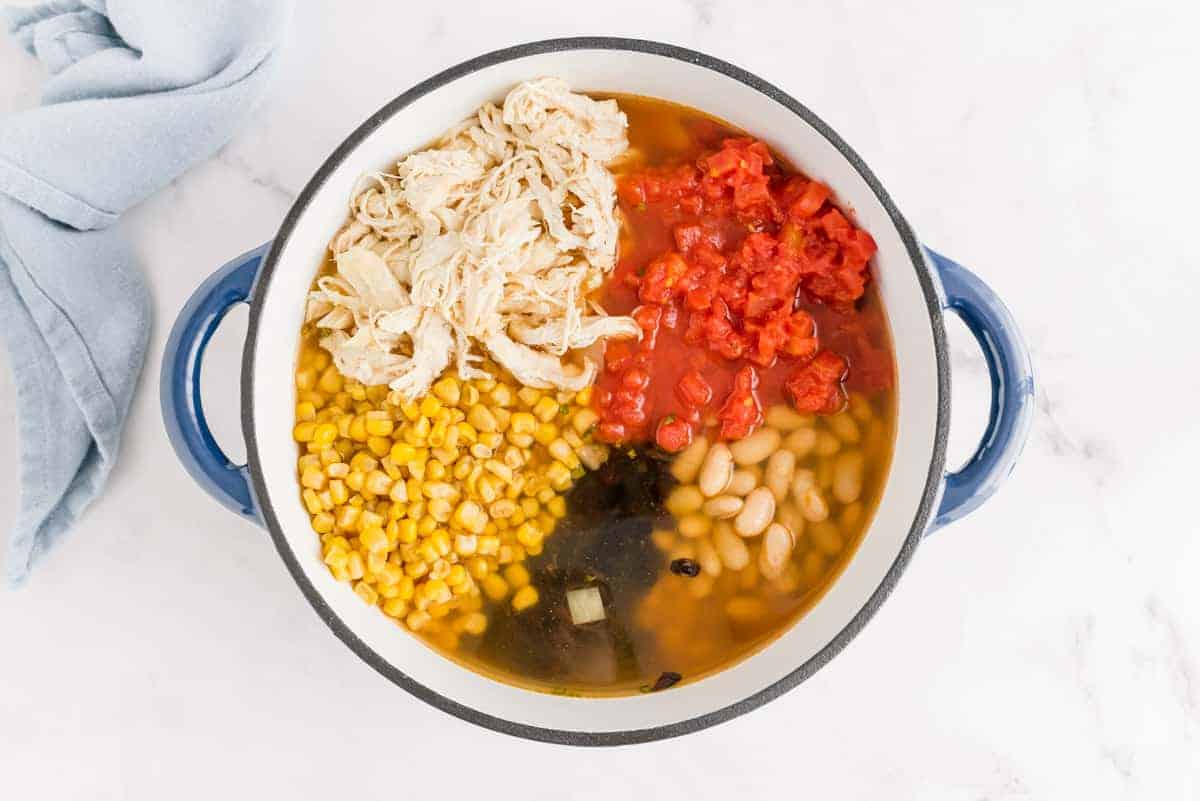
{"points": [[667, 679], [685, 567]]}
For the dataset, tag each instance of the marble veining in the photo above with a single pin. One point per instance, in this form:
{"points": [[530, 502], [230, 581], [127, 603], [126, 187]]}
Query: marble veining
{"points": [[1045, 647]]}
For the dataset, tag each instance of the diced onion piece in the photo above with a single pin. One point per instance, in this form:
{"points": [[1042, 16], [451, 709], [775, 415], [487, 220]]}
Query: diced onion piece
{"points": [[586, 605]]}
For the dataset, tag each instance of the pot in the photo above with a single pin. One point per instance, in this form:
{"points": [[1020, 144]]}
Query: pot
{"points": [[917, 285]]}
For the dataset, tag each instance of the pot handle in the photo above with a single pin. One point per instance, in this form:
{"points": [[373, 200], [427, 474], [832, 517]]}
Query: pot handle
{"points": [[1011, 373], [182, 410]]}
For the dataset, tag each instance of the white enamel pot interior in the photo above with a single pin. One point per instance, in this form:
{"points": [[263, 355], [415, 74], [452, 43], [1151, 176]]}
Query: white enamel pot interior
{"points": [[909, 293]]}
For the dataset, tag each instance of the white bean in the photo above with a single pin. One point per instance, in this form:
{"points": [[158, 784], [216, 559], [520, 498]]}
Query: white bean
{"points": [[812, 566], [777, 546], [785, 418], [723, 506], [700, 586], [848, 476], [844, 428], [801, 441], [744, 480], [789, 515], [859, 408], [684, 500], [663, 540], [803, 479], [756, 447], [849, 518], [717, 470], [682, 550], [687, 464], [694, 525], [707, 556], [778, 475], [827, 444], [756, 513], [825, 474], [813, 505], [826, 537], [730, 547]]}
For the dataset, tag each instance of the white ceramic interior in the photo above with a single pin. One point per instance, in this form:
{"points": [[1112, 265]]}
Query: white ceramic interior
{"points": [[271, 398]]}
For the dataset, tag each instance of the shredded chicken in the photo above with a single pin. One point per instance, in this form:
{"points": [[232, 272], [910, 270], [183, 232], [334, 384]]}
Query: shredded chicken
{"points": [[487, 243]]}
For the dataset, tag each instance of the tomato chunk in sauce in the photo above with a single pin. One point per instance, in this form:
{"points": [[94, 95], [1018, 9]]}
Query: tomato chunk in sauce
{"points": [[750, 287]]}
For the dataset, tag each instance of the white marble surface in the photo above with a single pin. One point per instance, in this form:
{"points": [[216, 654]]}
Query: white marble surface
{"points": [[1046, 647]]}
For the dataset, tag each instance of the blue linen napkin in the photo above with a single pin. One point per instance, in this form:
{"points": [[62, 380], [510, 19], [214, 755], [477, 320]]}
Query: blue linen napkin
{"points": [[140, 90]]}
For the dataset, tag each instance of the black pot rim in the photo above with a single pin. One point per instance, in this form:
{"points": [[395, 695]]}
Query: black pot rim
{"points": [[563, 736]]}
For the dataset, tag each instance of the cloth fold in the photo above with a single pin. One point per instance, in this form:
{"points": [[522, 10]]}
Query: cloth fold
{"points": [[140, 90]]}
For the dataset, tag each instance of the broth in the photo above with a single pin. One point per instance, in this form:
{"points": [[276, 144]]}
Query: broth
{"points": [[678, 601]]}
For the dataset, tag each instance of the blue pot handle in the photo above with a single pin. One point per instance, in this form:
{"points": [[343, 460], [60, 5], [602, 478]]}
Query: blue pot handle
{"points": [[182, 410], [1011, 374]]}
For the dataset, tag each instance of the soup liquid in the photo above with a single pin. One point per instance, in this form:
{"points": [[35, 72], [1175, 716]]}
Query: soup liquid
{"points": [[618, 535]]}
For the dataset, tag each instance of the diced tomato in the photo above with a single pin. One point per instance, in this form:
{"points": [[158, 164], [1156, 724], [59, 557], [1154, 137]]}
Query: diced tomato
{"points": [[662, 274], [610, 432], [810, 200], [817, 386], [687, 236], [632, 191], [742, 413], [734, 266], [635, 379], [673, 434], [693, 390], [648, 317]]}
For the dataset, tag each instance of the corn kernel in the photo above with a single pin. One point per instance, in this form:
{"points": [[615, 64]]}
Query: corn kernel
{"points": [[494, 587], [563, 452], [478, 567], [402, 453], [417, 620], [457, 576], [519, 440], [314, 478], [330, 381], [440, 569], [303, 432], [374, 539], [367, 592], [546, 433], [395, 607], [489, 544], [379, 424], [528, 395], [448, 390], [475, 623], [323, 522], [380, 446], [441, 542], [407, 530], [378, 483], [426, 525], [523, 423], [559, 476], [481, 419], [311, 502], [557, 506], [529, 535], [435, 470], [516, 575], [306, 379], [347, 517], [545, 409], [440, 509], [524, 598]]}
